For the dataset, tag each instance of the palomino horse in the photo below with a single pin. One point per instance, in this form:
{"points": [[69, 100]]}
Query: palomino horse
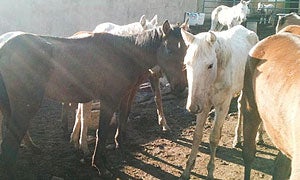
{"points": [[229, 16], [273, 65], [215, 64], [33, 67], [289, 19]]}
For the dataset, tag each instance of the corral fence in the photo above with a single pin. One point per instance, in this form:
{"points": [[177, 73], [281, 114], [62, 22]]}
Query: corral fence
{"points": [[281, 6]]}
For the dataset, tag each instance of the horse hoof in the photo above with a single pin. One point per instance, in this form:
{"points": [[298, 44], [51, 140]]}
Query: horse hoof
{"points": [[261, 142], [166, 128], [105, 174], [238, 145]]}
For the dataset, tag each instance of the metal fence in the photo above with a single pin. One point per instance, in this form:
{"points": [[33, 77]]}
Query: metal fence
{"points": [[281, 6]]}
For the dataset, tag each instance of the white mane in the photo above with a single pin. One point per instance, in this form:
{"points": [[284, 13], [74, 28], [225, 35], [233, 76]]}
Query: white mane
{"points": [[128, 29]]}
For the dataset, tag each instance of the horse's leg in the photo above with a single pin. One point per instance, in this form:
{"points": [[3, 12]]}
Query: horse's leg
{"points": [[261, 19], [220, 27], [86, 120], [124, 110], [107, 110], [259, 135], [154, 81], [215, 135], [265, 19], [250, 127], [64, 118], [1, 129], [17, 125], [237, 140], [30, 144], [77, 126], [282, 167], [295, 174], [197, 137]]}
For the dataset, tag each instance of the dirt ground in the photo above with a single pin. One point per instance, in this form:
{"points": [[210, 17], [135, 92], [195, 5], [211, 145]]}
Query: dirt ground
{"points": [[150, 153]]}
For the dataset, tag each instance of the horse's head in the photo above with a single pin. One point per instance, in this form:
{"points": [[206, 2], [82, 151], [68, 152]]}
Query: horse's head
{"points": [[201, 66], [260, 7], [171, 55], [243, 10], [148, 24]]}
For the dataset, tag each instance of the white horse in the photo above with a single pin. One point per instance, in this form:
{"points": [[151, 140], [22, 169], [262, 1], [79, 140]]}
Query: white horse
{"points": [[266, 12], [229, 16], [215, 64], [128, 29]]}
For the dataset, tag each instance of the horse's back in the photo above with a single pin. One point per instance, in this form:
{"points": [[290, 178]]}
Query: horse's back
{"points": [[105, 27], [271, 48], [294, 29], [240, 39], [7, 36]]}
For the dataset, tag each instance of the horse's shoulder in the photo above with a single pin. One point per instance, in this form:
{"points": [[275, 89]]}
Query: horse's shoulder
{"points": [[273, 45]]}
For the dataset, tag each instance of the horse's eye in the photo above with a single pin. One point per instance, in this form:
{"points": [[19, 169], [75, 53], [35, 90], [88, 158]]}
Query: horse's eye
{"points": [[210, 66]]}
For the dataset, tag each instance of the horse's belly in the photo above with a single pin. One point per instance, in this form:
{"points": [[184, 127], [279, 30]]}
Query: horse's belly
{"points": [[276, 111]]}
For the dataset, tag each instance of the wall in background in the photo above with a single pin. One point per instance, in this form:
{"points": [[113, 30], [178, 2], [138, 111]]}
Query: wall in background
{"points": [[65, 17]]}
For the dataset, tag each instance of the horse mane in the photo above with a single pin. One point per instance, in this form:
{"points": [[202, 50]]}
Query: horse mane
{"points": [[149, 38]]}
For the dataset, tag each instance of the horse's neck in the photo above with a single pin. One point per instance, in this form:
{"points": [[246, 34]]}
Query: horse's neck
{"points": [[237, 11], [144, 53]]}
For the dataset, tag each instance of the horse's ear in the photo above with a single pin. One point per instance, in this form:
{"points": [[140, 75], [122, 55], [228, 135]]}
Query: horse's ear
{"points": [[143, 20], [211, 38], [187, 37], [154, 20], [185, 25], [166, 27], [245, 2]]}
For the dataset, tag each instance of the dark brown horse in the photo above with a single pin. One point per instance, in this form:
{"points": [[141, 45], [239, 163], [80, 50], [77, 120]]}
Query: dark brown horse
{"points": [[33, 67]]}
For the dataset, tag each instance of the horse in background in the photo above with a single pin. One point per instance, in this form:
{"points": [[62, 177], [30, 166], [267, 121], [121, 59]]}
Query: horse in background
{"points": [[289, 19], [215, 63], [223, 15], [266, 12], [128, 29], [274, 65]]}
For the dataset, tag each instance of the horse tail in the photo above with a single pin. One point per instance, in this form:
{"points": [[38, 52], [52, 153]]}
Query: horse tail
{"points": [[214, 18]]}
